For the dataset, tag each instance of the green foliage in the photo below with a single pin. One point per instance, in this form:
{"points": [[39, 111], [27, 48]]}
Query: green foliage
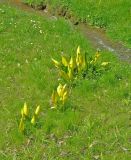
{"points": [[96, 121], [105, 14]]}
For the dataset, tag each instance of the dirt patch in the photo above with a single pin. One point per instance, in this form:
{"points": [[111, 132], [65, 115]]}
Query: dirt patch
{"points": [[99, 40]]}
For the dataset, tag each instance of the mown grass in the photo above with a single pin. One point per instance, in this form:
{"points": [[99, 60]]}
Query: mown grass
{"points": [[112, 15], [95, 124]]}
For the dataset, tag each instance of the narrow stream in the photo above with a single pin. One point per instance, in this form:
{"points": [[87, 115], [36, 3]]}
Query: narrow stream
{"points": [[98, 39], [96, 36]]}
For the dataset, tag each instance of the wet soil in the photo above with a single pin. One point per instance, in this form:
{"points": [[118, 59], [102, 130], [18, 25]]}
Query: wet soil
{"points": [[96, 36], [98, 39]]}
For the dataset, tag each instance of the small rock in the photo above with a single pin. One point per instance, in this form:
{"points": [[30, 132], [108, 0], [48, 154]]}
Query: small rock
{"points": [[41, 7], [76, 23]]}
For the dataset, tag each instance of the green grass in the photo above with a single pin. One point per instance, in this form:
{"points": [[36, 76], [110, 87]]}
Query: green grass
{"points": [[96, 123], [112, 15]]}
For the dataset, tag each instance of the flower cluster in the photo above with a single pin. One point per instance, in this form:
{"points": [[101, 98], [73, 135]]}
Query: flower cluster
{"points": [[25, 117], [59, 96], [78, 65], [73, 68]]}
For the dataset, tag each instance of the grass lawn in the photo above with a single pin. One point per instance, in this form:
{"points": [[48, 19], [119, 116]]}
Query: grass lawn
{"points": [[112, 15], [95, 124]]}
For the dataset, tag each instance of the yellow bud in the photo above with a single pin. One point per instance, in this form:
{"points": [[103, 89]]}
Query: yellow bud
{"points": [[78, 50], [21, 125], [64, 88], [70, 73], [25, 109], [22, 113], [71, 63], [95, 59], [56, 63], [97, 55], [104, 64], [37, 111], [33, 120], [77, 61], [59, 89], [79, 58], [64, 61], [65, 96]]}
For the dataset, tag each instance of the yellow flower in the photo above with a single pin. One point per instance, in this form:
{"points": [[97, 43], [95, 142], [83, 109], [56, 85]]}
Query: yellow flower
{"points": [[25, 109], [71, 63], [77, 55], [64, 88], [79, 59], [104, 64], [97, 55], [22, 113], [64, 61], [59, 89], [70, 75], [37, 111], [33, 120], [78, 50], [65, 96], [56, 63], [62, 92], [21, 125]]}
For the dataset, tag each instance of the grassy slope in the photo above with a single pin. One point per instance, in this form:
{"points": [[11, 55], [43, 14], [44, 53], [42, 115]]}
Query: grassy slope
{"points": [[97, 121], [112, 15]]}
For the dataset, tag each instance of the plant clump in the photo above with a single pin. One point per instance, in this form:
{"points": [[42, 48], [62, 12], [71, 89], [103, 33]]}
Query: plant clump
{"points": [[27, 119]]}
